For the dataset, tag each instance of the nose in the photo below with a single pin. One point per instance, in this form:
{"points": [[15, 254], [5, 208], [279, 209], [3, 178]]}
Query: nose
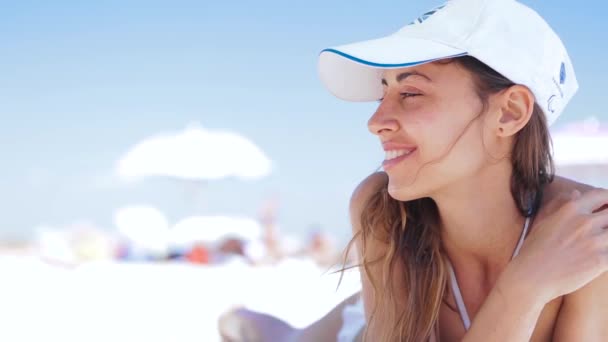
{"points": [[383, 120]]}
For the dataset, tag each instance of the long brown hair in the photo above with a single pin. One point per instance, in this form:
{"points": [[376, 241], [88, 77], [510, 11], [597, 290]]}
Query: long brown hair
{"points": [[410, 230]]}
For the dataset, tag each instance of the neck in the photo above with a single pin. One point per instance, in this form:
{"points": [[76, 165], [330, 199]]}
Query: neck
{"points": [[480, 220]]}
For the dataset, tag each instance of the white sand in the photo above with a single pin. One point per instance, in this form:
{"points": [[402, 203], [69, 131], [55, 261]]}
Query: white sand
{"points": [[155, 302]]}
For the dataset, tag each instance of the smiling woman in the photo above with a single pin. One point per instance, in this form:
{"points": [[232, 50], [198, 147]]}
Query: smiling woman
{"points": [[467, 235], [445, 157], [452, 235]]}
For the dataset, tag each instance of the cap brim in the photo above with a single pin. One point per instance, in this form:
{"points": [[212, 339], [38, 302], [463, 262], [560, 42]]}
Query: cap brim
{"points": [[353, 72]]}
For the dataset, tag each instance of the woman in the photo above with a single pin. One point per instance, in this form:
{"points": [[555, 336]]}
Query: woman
{"points": [[466, 235]]}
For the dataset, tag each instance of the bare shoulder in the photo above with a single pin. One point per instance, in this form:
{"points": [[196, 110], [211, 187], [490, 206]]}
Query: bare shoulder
{"points": [[582, 316], [560, 187], [565, 185], [583, 313]]}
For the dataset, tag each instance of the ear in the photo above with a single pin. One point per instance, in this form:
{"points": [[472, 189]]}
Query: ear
{"points": [[516, 107]]}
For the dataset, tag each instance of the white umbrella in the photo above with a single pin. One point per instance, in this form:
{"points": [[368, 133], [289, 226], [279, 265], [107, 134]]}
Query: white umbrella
{"points": [[194, 154], [212, 229], [146, 227]]}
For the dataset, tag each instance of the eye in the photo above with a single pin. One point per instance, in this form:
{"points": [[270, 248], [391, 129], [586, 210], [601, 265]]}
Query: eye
{"points": [[406, 95], [403, 95]]}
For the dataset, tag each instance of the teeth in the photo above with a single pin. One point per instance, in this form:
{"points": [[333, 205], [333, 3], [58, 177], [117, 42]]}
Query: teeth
{"points": [[396, 154]]}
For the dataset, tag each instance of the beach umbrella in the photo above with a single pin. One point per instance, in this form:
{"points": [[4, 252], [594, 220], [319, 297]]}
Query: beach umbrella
{"points": [[194, 154], [145, 227]]}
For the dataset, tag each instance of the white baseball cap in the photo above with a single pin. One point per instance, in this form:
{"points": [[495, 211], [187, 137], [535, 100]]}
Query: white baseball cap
{"points": [[504, 34]]}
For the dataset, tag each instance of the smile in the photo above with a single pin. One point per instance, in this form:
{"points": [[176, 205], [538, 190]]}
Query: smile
{"points": [[393, 157]]}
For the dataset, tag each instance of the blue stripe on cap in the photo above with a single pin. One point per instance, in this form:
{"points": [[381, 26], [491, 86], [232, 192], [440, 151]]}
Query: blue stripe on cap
{"points": [[380, 65]]}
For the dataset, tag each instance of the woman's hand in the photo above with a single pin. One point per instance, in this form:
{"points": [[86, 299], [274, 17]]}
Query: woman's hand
{"points": [[566, 249]]}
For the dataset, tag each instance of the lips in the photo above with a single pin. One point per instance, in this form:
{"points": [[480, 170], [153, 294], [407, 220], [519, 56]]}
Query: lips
{"points": [[392, 154], [396, 153], [390, 163]]}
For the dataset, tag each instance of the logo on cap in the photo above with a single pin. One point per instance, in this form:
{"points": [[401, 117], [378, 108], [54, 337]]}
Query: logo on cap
{"points": [[551, 104], [562, 74], [427, 15]]}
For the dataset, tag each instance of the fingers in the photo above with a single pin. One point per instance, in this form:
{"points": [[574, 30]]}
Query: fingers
{"points": [[600, 221], [592, 201], [605, 207], [603, 243]]}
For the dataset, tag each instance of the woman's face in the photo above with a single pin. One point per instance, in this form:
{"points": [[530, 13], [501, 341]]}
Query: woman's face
{"points": [[430, 118]]}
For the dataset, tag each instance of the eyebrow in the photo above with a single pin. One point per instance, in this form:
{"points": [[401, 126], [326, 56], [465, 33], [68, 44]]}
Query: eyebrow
{"points": [[402, 76]]}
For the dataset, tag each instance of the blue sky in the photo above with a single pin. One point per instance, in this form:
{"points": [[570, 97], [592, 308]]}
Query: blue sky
{"points": [[81, 82]]}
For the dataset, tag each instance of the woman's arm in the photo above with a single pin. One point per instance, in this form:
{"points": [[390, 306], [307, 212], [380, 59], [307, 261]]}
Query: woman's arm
{"points": [[584, 314], [566, 255], [245, 325], [326, 328], [509, 313]]}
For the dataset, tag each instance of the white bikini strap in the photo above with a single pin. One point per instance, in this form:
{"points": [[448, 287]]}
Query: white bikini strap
{"points": [[521, 238], [458, 296], [456, 289]]}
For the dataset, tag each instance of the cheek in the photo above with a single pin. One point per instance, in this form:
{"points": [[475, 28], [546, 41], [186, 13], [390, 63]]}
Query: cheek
{"points": [[434, 132], [459, 150], [420, 116], [447, 132], [436, 123]]}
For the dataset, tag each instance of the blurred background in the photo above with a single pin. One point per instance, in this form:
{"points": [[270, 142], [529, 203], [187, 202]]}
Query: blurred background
{"points": [[163, 162]]}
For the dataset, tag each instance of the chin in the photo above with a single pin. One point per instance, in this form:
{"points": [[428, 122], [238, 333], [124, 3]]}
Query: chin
{"points": [[405, 192]]}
